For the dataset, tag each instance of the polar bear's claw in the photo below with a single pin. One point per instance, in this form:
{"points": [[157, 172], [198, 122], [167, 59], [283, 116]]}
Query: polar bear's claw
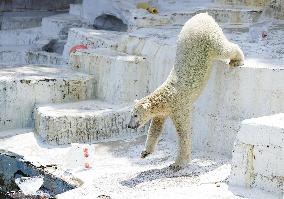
{"points": [[175, 167]]}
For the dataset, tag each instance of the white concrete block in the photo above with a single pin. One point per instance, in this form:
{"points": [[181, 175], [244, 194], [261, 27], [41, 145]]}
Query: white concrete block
{"points": [[265, 159], [23, 87], [119, 77], [86, 121], [267, 131], [59, 25]]}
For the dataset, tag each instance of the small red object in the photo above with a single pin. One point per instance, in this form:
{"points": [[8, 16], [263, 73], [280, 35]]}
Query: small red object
{"points": [[77, 47], [86, 152], [87, 166]]}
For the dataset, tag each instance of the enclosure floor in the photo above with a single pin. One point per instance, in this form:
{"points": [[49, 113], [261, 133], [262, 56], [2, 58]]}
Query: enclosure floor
{"points": [[117, 170]]}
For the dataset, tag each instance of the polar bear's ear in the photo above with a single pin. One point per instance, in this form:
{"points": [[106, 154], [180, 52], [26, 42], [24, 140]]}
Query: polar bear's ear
{"points": [[136, 100]]}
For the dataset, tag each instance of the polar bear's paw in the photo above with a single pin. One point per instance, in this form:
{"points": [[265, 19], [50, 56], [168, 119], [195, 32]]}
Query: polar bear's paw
{"points": [[180, 163], [175, 167], [144, 154]]}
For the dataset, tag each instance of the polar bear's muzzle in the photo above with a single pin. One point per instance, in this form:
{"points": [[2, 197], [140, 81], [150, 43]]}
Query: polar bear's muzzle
{"points": [[133, 124]]}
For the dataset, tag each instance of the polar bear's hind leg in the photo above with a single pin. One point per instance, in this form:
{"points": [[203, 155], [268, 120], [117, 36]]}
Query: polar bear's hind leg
{"points": [[182, 124]]}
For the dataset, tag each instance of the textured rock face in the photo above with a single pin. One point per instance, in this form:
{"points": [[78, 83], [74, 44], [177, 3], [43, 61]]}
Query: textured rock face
{"points": [[23, 87], [258, 154], [86, 121]]}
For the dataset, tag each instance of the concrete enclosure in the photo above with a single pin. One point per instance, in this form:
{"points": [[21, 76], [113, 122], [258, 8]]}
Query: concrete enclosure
{"points": [[70, 70]]}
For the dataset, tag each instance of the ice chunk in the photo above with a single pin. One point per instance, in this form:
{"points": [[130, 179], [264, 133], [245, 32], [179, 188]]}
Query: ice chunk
{"points": [[29, 185]]}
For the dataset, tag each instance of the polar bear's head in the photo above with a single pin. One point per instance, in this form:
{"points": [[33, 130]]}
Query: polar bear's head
{"points": [[139, 114]]}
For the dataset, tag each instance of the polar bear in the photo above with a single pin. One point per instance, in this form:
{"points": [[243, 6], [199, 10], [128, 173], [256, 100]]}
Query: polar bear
{"points": [[200, 41]]}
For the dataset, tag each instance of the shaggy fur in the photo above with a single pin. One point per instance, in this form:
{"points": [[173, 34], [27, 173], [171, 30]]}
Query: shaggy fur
{"points": [[200, 41]]}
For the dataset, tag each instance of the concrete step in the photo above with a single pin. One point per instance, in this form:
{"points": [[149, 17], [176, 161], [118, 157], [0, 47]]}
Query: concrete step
{"points": [[44, 51], [42, 57], [15, 54], [119, 77], [20, 37], [57, 26], [84, 122], [23, 19], [258, 154], [23, 87]]}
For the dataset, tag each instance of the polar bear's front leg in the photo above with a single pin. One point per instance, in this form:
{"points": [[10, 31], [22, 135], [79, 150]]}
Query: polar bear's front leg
{"points": [[231, 51], [154, 133], [182, 124]]}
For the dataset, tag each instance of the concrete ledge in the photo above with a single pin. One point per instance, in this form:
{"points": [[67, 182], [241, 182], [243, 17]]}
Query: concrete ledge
{"points": [[42, 57], [265, 131], [84, 122], [120, 77]]}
